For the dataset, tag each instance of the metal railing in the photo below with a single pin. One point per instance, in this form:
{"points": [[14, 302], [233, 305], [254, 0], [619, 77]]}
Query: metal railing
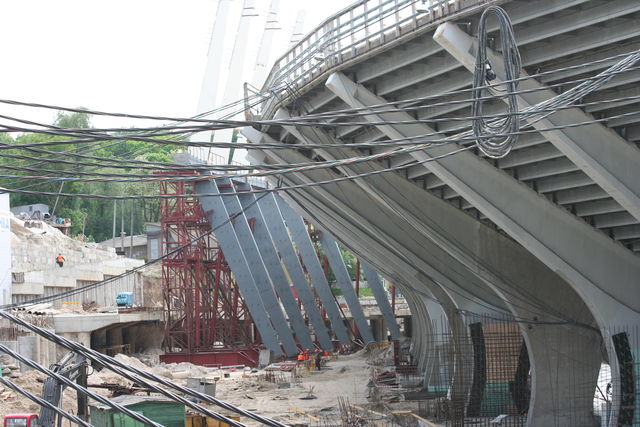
{"points": [[350, 34]]}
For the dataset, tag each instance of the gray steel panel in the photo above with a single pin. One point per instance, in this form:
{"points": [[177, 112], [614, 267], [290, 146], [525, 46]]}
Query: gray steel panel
{"points": [[291, 261], [219, 219], [375, 284], [344, 281], [274, 267], [256, 265], [309, 257]]}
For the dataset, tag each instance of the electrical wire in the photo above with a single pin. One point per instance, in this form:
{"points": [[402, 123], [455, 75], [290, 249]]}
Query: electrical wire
{"points": [[124, 163], [289, 167], [299, 121], [265, 173], [138, 151]]}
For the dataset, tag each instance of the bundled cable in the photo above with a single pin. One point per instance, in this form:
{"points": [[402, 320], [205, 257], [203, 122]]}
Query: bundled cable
{"points": [[78, 388], [40, 401], [136, 375], [489, 135]]}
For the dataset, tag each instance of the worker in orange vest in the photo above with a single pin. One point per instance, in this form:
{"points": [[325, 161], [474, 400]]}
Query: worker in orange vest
{"points": [[306, 355], [60, 260], [300, 356]]}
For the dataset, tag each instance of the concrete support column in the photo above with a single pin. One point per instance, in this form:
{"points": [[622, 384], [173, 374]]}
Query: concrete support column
{"points": [[129, 336], [114, 337], [99, 339], [557, 374]]}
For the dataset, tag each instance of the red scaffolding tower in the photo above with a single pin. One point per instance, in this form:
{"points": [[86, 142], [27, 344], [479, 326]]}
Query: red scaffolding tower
{"points": [[206, 320]]}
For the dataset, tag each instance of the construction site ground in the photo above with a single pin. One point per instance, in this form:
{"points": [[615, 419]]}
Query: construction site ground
{"points": [[308, 398]]}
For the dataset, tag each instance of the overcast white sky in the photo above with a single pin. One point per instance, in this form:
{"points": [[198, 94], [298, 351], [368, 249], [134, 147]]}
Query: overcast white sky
{"points": [[137, 56]]}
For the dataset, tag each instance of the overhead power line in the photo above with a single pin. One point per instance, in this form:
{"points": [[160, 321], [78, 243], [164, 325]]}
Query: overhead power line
{"points": [[307, 120], [341, 162]]}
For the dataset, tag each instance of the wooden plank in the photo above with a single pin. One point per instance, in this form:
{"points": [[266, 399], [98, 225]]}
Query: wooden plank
{"points": [[300, 411], [427, 422], [360, 408]]}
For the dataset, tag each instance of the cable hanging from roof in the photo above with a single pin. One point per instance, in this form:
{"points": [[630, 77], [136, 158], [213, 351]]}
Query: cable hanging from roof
{"points": [[488, 135]]}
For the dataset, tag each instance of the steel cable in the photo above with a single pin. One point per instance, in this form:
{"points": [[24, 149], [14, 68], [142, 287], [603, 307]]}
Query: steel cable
{"points": [[78, 388], [40, 401], [136, 375]]}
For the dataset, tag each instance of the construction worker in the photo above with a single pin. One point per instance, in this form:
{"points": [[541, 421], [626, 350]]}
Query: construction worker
{"points": [[60, 260], [300, 356], [306, 355], [318, 359]]}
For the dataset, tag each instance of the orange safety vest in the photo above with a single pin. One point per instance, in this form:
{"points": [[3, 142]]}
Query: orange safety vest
{"points": [[300, 357], [59, 258]]}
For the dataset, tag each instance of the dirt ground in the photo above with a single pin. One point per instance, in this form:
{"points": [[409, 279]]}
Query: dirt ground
{"points": [[346, 377], [312, 398]]}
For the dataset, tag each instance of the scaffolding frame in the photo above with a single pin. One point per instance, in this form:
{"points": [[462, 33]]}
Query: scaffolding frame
{"points": [[206, 319]]}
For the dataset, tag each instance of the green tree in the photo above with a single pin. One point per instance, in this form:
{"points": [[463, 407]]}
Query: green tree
{"points": [[95, 215]]}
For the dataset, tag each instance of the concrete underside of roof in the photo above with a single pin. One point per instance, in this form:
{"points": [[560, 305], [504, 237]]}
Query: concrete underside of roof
{"points": [[543, 234]]}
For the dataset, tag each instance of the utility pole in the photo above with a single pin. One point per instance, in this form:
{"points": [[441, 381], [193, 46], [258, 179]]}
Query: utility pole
{"points": [[122, 233], [113, 233], [133, 204]]}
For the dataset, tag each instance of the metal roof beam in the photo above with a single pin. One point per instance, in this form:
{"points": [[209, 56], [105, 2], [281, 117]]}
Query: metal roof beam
{"points": [[285, 248], [273, 265], [226, 236]]}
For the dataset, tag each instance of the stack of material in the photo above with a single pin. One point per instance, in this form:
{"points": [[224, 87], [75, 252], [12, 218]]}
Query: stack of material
{"points": [[10, 370]]}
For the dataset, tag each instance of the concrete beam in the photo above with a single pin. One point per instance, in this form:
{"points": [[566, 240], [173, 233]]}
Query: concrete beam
{"points": [[602, 154], [301, 238], [555, 236], [375, 284]]}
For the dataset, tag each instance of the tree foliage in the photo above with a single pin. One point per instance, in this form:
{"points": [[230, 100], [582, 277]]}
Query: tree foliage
{"points": [[95, 216]]}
